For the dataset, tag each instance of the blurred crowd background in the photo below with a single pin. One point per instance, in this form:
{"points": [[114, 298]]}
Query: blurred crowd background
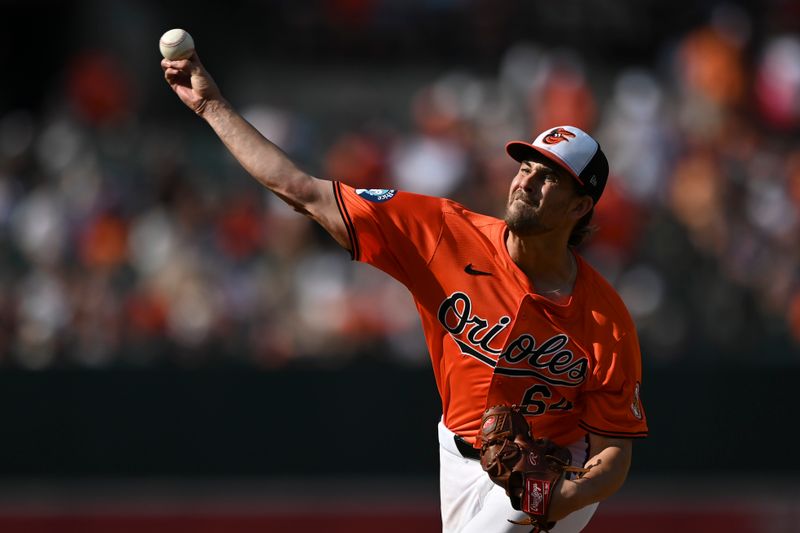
{"points": [[130, 238]]}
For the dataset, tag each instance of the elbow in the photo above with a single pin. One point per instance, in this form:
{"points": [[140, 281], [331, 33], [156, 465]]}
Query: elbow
{"points": [[619, 468], [609, 468], [299, 191]]}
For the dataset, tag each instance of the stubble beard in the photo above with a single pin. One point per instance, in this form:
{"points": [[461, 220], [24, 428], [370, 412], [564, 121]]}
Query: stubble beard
{"points": [[524, 219]]}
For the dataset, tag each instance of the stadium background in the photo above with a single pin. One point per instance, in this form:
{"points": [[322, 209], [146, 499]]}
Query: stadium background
{"points": [[180, 352]]}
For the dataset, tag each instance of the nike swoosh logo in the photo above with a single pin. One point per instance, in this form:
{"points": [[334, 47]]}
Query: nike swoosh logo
{"points": [[472, 272]]}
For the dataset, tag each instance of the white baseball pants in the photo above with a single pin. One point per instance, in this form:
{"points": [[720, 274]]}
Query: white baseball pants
{"points": [[472, 503]]}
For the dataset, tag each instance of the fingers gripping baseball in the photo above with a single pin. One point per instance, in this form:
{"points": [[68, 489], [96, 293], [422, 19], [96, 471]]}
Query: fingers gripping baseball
{"points": [[191, 82]]}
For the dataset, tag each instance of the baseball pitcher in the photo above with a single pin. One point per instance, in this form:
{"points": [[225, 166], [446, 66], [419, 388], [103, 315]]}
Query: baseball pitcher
{"points": [[535, 356]]}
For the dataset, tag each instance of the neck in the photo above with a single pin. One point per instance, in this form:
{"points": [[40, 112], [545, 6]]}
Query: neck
{"points": [[547, 261]]}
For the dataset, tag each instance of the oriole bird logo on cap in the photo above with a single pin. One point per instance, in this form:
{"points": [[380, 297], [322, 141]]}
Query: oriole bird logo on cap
{"points": [[558, 135]]}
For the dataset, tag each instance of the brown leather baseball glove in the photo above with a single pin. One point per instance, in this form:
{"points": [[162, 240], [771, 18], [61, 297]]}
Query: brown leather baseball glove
{"points": [[529, 469]]}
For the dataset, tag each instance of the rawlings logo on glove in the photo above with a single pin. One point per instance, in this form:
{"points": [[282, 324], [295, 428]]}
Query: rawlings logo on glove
{"points": [[528, 469]]}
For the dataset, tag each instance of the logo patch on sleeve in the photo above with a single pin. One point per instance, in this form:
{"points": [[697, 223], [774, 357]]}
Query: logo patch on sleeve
{"points": [[636, 405], [376, 195]]}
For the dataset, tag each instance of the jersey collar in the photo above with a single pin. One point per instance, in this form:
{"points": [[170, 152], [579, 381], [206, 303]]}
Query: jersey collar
{"points": [[526, 284]]}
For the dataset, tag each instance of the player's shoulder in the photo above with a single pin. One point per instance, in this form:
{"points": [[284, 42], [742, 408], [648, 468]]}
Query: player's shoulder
{"points": [[466, 226], [607, 305], [458, 213], [452, 212], [422, 208], [394, 202]]}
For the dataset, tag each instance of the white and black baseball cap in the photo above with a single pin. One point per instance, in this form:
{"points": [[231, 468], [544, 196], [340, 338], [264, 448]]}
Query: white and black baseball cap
{"points": [[572, 149]]}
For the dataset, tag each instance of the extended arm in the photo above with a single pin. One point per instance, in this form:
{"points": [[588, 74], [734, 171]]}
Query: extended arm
{"points": [[258, 156], [609, 464]]}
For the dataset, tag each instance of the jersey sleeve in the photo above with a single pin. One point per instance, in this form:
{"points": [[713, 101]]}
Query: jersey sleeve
{"points": [[613, 405], [396, 232]]}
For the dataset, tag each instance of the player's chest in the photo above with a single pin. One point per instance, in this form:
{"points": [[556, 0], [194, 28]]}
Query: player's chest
{"points": [[515, 335], [485, 307]]}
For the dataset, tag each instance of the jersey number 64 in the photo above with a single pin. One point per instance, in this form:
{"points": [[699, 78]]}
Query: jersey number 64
{"points": [[535, 401]]}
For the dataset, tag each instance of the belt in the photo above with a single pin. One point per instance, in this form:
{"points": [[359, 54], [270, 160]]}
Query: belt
{"points": [[466, 449]]}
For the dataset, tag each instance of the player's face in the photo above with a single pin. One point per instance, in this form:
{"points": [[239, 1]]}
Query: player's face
{"points": [[540, 199]]}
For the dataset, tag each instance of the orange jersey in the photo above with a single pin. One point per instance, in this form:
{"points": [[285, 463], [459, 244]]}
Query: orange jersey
{"points": [[573, 368]]}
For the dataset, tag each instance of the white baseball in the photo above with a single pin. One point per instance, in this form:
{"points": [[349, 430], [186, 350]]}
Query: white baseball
{"points": [[176, 44]]}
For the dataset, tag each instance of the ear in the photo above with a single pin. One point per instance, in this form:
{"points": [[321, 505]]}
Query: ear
{"points": [[582, 205]]}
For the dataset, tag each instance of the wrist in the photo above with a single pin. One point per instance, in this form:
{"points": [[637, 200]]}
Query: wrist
{"points": [[209, 106]]}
